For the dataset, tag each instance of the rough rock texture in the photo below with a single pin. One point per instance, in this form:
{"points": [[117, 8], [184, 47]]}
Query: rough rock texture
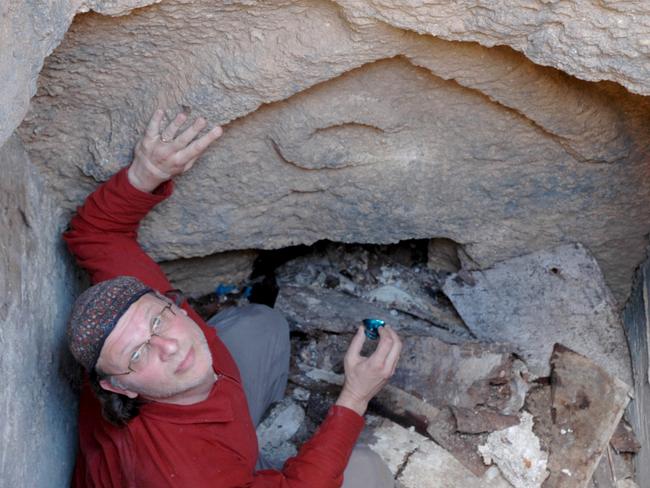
{"points": [[636, 318], [516, 450], [36, 284], [603, 40], [534, 301], [340, 135], [593, 41], [417, 462], [274, 432], [588, 404], [199, 276], [29, 31]]}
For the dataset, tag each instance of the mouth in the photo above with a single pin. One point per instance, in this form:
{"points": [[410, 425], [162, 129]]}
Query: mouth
{"points": [[186, 363]]}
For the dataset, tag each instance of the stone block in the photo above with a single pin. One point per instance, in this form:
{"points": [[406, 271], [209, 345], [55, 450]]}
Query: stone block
{"points": [[37, 285], [548, 297], [349, 131], [200, 276]]}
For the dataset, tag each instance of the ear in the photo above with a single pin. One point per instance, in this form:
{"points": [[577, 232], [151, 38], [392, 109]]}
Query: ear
{"points": [[108, 386], [183, 311]]}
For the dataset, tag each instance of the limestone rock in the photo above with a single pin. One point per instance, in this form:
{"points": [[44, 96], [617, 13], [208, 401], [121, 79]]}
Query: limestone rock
{"points": [[29, 31], [326, 140], [419, 463], [199, 276], [441, 374], [37, 285], [276, 430], [591, 40], [517, 452], [537, 300], [588, 404], [443, 255]]}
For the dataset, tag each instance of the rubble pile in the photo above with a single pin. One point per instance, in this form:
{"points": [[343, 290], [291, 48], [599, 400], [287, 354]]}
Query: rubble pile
{"points": [[513, 376]]}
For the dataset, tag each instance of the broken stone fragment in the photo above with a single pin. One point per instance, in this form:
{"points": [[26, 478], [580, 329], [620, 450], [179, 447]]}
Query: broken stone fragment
{"points": [[624, 440], [463, 447], [518, 454], [417, 462], [199, 276], [480, 420], [462, 375], [587, 406], [442, 255], [312, 309], [543, 298], [276, 430], [331, 276]]}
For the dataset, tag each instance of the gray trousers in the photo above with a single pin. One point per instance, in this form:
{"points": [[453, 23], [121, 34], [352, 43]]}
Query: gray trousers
{"points": [[258, 339]]}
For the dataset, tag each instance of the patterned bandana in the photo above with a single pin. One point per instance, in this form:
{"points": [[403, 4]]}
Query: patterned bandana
{"points": [[96, 312]]}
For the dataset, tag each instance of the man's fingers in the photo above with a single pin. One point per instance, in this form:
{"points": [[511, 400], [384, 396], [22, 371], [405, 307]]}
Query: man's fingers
{"points": [[383, 348], [153, 128], [195, 149], [354, 350], [190, 133], [189, 164], [394, 354], [170, 131]]}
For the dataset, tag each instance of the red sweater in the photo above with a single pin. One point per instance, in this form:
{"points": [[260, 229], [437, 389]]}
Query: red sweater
{"points": [[209, 444]]}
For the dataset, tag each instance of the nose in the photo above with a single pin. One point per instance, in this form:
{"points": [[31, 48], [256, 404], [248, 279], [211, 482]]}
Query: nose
{"points": [[165, 347]]}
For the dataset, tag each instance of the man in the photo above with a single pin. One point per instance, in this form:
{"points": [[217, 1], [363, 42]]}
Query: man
{"points": [[176, 400]]}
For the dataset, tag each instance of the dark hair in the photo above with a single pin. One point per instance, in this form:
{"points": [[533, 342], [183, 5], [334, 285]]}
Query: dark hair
{"points": [[119, 409], [116, 409]]}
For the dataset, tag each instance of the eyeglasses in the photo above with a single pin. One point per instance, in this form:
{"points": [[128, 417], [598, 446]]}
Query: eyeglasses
{"points": [[140, 356]]}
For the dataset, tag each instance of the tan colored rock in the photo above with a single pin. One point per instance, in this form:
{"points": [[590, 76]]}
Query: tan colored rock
{"points": [[37, 285], [200, 276], [588, 404], [418, 462], [377, 154], [594, 41], [443, 255], [29, 32]]}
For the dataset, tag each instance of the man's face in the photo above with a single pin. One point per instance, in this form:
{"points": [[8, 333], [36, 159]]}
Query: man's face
{"points": [[174, 365]]}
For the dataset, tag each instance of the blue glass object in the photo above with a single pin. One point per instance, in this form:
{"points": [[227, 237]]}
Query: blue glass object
{"points": [[223, 290], [372, 327]]}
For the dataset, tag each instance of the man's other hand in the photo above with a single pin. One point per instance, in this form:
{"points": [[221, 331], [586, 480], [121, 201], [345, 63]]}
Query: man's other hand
{"points": [[366, 376], [160, 156]]}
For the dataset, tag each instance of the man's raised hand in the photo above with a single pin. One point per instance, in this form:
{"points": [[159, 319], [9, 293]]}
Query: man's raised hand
{"points": [[366, 376], [160, 156]]}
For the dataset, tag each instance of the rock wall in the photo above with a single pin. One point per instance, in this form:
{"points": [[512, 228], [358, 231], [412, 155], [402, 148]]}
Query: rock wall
{"points": [[591, 40], [29, 31], [369, 121], [38, 407], [352, 131]]}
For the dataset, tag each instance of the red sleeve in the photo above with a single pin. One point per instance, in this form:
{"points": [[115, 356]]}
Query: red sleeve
{"points": [[322, 459], [103, 233]]}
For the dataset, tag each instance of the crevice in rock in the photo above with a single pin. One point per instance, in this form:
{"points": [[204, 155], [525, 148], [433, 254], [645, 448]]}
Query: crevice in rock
{"points": [[404, 463]]}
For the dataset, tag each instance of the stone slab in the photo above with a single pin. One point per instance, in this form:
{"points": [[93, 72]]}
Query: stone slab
{"points": [[419, 463], [590, 40], [200, 276], [587, 405], [548, 297], [37, 285], [330, 120]]}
